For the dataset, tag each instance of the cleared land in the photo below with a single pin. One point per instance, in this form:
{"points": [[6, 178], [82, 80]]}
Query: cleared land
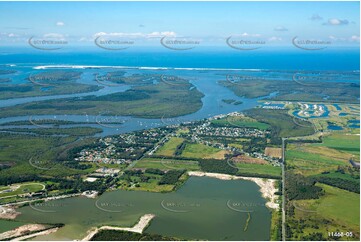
{"points": [[201, 151], [240, 121], [342, 142], [338, 206], [309, 160], [166, 164], [258, 169], [273, 152], [169, 148]]}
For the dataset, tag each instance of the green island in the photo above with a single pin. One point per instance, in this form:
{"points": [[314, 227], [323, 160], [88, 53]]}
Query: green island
{"points": [[145, 101], [232, 101], [74, 131], [46, 84], [290, 90]]}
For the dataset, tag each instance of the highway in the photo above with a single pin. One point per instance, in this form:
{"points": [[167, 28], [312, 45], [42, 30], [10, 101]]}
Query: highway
{"points": [[283, 192]]}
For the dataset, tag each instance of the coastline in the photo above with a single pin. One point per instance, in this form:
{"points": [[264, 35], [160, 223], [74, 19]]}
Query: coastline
{"points": [[18, 233], [143, 222], [267, 186]]}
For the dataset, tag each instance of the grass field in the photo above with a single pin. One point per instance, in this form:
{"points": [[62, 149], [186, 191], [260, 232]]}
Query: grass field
{"points": [[338, 206], [18, 189], [339, 203], [311, 160], [166, 164], [344, 176], [201, 151], [169, 147], [240, 121], [342, 142]]}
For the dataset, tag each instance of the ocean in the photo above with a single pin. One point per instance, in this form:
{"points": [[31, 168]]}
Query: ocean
{"points": [[341, 59]]}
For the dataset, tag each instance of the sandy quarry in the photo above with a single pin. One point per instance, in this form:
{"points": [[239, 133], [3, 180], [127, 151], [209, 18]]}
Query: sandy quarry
{"points": [[19, 231], [8, 212]]}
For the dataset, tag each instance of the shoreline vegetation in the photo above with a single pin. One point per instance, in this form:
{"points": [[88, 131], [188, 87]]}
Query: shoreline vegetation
{"points": [[267, 186], [139, 227]]}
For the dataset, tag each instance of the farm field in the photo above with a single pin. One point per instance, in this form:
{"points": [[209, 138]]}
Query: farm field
{"points": [[342, 142], [201, 151], [258, 169], [169, 147], [308, 161], [166, 164]]}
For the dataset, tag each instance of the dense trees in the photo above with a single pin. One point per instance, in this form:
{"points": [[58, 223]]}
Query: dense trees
{"points": [[218, 166], [349, 185], [171, 177], [299, 187], [178, 151], [113, 235], [154, 171]]}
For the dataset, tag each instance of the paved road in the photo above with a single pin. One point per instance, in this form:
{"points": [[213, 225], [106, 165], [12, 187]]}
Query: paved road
{"points": [[283, 192]]}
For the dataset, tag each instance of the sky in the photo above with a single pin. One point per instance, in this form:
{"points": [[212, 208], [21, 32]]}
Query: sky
{"points": [[208, 23]]}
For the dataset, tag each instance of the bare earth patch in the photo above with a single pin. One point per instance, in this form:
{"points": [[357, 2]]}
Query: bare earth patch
{"points": [[273, 152], [219, 155], [20, 231], [8, 212], [248, 159]]}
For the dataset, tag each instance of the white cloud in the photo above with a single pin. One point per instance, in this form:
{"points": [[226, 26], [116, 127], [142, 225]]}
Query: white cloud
{"points": [[355, 38], [280, 28], [274, 38], [249, 35], [336, 21], [59, 23], [161, 34], [138, 34], [336, 38]]}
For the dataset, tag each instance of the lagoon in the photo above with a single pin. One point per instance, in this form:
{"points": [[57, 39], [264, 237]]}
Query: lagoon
{"points": [[203, 208]]}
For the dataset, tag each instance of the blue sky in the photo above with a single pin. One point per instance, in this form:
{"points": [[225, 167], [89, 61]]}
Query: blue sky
{"points": [[209, 22]]}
